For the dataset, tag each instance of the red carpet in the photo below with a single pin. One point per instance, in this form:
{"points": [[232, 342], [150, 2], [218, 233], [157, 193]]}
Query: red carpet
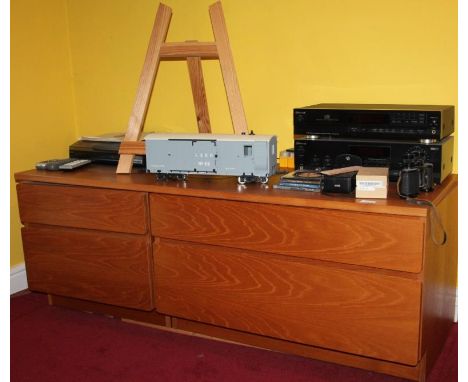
{"points": [[55, 344]]}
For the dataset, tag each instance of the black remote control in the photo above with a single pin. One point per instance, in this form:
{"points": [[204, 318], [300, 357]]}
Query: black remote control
{"points": [[76, 163]]}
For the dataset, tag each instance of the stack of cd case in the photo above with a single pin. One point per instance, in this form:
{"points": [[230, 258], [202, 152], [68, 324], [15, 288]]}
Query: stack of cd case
{"points": [[302, 180]]}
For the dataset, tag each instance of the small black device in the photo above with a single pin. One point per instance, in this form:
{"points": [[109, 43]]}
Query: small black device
{"points": [[374, 121], [340, 183], [52, 164], [327, 153], [416, 176], [62, 164], [426, 182], [408, 183]]}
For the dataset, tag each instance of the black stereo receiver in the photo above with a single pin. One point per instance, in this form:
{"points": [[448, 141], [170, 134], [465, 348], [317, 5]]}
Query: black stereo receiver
{"points": [[327, 153], [405, 122]]}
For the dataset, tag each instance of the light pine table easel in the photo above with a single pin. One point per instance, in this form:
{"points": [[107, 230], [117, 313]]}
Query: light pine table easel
{"points": [[193, 52]]}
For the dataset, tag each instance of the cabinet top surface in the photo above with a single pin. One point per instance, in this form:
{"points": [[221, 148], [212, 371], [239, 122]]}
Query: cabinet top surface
{"points": [[225, 187]]}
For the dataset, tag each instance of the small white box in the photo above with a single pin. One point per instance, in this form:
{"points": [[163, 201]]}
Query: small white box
{"points": [[372, 182]]}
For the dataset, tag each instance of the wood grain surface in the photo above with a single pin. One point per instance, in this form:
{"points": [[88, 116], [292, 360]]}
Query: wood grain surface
{"points": [[105, 267], [322, 276], [226, 188], [129, 147], [226, 61], [182, 50], [440, 279], [237, 336], [391, 242], [82, 207], [146, 83], [148, 317], [199, 94], [350, 311]]}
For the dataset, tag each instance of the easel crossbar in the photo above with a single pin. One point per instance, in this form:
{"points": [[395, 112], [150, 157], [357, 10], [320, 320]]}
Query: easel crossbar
{"points": [[182, 50]]}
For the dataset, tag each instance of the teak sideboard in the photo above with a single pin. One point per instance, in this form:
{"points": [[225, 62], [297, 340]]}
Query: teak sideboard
{"points": [[356, 282]]}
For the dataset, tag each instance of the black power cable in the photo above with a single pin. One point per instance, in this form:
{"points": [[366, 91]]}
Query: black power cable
{"points": [[434, 214]]}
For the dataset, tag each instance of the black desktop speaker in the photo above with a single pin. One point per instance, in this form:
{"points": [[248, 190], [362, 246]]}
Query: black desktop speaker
{"points": [[340, 183]]}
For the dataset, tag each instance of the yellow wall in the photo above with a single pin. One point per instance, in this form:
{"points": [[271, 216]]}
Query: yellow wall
{"points": [[287, 54], [41, 112]]}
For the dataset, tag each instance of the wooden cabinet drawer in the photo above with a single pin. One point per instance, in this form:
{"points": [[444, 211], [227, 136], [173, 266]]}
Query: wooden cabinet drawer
{"points": [[111, 268], [375, 240], [359, 312], [83, 207]]}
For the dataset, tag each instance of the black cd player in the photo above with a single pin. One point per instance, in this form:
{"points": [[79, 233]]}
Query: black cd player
{"points": [[401, 122], [327, 153]]}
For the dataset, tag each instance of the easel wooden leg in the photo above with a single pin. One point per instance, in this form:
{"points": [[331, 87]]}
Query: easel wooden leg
{"points": [[218, 23], [199, 95], [145, 86]]}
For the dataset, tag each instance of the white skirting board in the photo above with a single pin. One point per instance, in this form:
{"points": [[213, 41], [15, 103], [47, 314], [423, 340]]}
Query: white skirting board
{"points": [[18, 280], [455, 319]]}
